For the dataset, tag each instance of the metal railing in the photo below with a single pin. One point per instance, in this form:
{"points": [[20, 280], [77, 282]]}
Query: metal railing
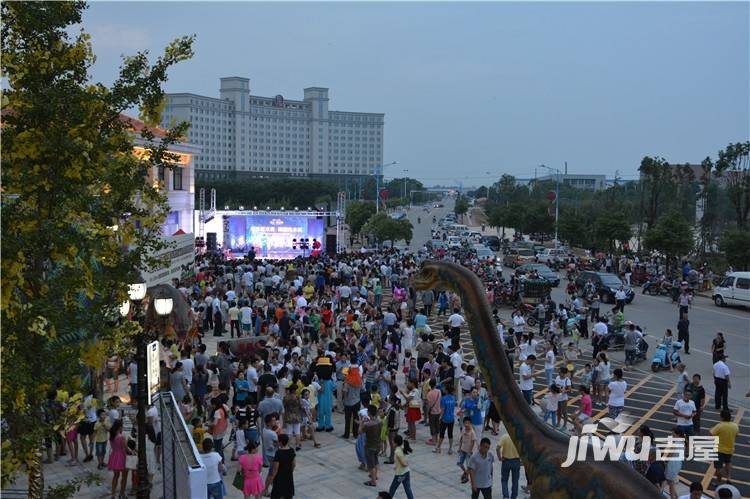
{"points": [[182, 467]]}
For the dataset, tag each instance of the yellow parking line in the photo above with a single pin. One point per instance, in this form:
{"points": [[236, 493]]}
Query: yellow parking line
{"points": [[649, 413], [633, 388]]}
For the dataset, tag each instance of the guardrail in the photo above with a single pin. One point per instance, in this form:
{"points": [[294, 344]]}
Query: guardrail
{"points": [[182, 467]]}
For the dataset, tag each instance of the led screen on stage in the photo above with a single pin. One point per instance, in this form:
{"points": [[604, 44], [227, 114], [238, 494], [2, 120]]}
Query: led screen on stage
{"points": [[272, 236]]}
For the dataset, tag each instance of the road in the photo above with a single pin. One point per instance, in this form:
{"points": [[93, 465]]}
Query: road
{"points": [[655, 314], [651, 396]]}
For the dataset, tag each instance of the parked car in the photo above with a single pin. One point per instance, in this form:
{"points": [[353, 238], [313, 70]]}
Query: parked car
{"points": [[484, 253], [515, 257], [550, 255], [542, 270], [606, 285], [454, 242], [733, 290], [492, 242]]}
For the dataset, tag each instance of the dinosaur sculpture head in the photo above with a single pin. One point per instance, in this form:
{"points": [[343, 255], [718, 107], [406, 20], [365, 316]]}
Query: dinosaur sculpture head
{"points": [[428, 277]]}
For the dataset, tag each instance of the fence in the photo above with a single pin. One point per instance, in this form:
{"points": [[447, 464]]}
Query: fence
{"points": [[182, 467]]}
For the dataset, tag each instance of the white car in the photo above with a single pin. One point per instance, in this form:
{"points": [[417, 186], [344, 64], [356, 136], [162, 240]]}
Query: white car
{"points": [[733, 290], [454, 242], [549, 255]]}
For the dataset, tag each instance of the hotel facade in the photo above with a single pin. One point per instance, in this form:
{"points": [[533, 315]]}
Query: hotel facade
{"points": [[247, 135]]}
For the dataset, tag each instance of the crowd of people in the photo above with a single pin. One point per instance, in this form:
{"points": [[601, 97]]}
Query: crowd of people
{"points": [[347, 334]]}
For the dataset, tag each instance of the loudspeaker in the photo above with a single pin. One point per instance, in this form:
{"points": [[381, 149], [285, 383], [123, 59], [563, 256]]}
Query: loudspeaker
{"points": [[211, 241], [331, 244]]}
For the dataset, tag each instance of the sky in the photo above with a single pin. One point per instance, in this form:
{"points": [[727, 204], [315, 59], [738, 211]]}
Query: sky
{"points": [[471, 91]]}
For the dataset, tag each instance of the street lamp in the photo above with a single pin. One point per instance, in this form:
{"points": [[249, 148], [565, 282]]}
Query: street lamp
{"points": [[403, 187], [163, 306], [557, 199], [377, 184]]}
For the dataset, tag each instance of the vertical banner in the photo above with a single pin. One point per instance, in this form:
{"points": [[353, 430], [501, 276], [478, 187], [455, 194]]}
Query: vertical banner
{"points": [[152, 369]]}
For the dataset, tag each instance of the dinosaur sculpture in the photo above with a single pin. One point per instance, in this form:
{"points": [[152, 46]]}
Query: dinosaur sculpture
{"points": [[542, 449]]}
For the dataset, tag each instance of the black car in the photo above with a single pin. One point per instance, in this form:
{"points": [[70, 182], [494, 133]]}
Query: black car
{"points": [[606, 285], [542, 270], [492, 242]]}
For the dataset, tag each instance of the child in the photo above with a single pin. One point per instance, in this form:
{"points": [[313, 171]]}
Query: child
{"points": [[586, 376], [270, 440], [240, 440], [198, 432], [466, 447], [375, 396], [394, 423], [101, 435], [413, 372], [583, 415], [571, 355], [308, 431], [551, 400]]}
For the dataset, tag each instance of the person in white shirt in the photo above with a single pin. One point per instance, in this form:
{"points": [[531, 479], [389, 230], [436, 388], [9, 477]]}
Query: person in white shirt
{"points": [[721, 383], [526, 382], [455, 321], [600, 328], [251, 375], [617, 388], [563, 382], [549, 364], [696, 492], [518, 322], [246, 318], [620, 296], [684, 410]]}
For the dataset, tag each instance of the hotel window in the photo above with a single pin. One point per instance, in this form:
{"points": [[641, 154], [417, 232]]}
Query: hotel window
{"points": [[177, 179], [161, 174]]}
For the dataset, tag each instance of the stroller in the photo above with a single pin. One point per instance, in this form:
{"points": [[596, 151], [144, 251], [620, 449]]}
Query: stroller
{"points": [[659, 361]]}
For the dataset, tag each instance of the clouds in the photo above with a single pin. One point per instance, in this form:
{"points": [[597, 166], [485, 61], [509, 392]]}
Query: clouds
{"points": [[122, 39]]}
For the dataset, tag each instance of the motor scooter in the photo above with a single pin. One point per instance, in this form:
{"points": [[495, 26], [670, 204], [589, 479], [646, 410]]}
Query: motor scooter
{"points": [[659, 361]]}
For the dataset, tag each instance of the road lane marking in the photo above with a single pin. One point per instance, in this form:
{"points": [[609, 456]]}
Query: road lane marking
{"points": [[649, 413], [699, 307]]}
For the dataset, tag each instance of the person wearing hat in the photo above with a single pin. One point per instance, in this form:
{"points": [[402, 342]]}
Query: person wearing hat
{"points": [[324, 369]]}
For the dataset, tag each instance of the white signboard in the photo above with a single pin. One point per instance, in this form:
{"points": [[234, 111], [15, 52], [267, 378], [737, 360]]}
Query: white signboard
{"points": [[152, 369], [179, 253]]}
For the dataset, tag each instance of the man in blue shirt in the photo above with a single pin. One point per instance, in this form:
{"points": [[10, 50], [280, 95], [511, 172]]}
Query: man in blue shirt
{"points": [[472, 408], [420, 321], [447, 418]]}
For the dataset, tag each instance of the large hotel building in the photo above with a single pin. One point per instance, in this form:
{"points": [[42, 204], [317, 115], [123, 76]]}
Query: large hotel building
{"points": [[246, 135]]}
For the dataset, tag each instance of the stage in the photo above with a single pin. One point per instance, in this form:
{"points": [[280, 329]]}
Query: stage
{"points": [[273, 234]]}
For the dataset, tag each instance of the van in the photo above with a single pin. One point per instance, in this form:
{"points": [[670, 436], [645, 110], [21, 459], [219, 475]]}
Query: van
{"points": [[733, 290], [458, 228]]}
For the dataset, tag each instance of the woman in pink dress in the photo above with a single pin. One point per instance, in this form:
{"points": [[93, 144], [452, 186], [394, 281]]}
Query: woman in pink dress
{"points": [[117, 454], [251, 465]]}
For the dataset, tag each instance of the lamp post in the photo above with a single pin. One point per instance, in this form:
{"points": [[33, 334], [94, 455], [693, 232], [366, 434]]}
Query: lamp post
{"points": [[163, 306], [557, 199], [403, 185], [377, 184]]}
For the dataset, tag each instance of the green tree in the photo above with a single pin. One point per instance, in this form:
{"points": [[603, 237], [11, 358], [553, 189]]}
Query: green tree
{"points": [[357, 215], [272, 192], [656, 178], [671, 236], [734, 165], [612, 227], [382, 228], [572, 228], [537, 220], [461, 206], [735, 244], [69, 177]]}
